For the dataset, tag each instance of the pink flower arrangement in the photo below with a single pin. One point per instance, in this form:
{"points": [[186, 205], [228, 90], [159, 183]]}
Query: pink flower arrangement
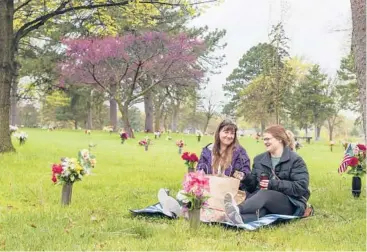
{"points": [[196, 187]]}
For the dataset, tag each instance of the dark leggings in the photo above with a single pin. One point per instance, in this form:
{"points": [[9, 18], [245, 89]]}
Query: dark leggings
{"points": [[265, 202]]}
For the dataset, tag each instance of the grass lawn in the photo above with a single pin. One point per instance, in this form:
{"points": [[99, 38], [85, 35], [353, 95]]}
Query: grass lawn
{"points": [[127, 177]]}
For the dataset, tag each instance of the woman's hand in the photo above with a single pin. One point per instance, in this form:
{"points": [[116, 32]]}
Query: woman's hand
{"points": [[239, 175], [264, 184]]}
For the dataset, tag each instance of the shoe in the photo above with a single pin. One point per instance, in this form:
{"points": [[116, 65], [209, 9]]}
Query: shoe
{"points": [[170, 206], [231, 209]]}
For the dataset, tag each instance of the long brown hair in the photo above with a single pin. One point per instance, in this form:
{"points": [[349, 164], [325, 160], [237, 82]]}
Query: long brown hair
{"points": [[280, 133], [224, 159]]}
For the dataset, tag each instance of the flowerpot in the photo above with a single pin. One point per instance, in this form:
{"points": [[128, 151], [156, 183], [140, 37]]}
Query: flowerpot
{"points": [[146, 147], [356, 186], [67, 191], [190, 170], [194, 218], [179, 150]]}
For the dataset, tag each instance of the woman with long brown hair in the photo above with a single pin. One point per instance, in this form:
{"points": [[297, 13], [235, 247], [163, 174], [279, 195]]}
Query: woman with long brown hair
{"points": [[278, 183], [225, 156]]}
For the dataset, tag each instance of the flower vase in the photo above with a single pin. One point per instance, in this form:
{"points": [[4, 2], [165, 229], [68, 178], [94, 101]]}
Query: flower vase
{"points": [[122, 141], [194, 218], [146, 147], [356, 186], [179, 150], [67, 191], [190, 170]]}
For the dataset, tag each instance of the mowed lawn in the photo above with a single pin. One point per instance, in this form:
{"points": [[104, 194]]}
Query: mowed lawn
{"points": [[127, 177]]}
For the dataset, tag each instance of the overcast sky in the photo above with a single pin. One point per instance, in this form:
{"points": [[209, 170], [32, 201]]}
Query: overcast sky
{"points": [[311, 25]]}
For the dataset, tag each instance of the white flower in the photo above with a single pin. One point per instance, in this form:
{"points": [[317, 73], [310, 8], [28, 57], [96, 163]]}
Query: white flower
{"points": [[181, 198], [66, 173]]}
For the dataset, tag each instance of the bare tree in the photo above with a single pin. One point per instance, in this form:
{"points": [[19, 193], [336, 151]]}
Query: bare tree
{"points": [[210, 110]]}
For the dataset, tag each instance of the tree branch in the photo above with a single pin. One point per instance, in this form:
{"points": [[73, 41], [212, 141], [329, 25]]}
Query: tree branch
{"points": [[38, 22], [22, 5]]}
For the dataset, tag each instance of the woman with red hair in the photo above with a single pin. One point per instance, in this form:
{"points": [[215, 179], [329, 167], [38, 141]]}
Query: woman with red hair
{"points": [[278, 183]]}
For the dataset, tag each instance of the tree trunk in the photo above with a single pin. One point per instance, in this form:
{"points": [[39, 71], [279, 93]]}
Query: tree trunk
{"points": [[262, 126], [149, 111], [165, 124], [6, 72], [90, 117], [206, 124], [90, 111], [176, 107], [157, 120], [318, 131], [75, 124], [125, 119], [315, 129], [113, 108], [359, 52], [331, 129], [14, 115]]}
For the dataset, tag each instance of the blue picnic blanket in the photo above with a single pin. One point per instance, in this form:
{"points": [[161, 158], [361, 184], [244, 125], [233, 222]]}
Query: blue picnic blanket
{"points": [[157, 209]]}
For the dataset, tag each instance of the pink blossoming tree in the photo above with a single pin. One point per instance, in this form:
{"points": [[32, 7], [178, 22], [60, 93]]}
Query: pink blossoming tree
{"points": [[127, 67]]}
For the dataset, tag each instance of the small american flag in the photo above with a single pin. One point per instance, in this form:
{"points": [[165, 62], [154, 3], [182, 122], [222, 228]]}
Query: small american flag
{"points": [[347, 156], [344, 164]]}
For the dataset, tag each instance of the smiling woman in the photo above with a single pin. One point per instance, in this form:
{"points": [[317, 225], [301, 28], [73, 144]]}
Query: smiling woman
{"points": [[278, 183], [225, 156]]}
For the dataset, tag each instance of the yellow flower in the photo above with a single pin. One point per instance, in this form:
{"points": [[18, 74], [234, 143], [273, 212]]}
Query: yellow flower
{"points": [[78, 168], [93, 161]]}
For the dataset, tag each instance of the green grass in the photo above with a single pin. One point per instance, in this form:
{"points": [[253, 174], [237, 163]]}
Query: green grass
{"points": [[127, 177]]}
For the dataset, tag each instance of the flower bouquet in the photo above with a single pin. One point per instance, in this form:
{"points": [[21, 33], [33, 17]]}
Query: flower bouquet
{"points": [[12, 129], [355, 159], [86, 160], [22, 137], [180, 144], [190, 160], [123, 137], [195, 189], [70, 170], [145, 142]]}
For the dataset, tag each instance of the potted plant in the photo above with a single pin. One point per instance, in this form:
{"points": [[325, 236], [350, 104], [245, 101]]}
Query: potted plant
{"points": [[355, 160]]}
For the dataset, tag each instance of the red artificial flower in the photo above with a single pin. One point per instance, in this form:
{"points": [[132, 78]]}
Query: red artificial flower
{"points": [[186, 156], [361, 147], [56, 168], [193, 157], [353, 161]]}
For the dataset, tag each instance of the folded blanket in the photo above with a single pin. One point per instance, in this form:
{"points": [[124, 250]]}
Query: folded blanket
{"points": [[157, 209]]}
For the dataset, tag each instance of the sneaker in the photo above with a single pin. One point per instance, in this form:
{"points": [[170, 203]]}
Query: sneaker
{"points": [[231, 209], [170, 206]]}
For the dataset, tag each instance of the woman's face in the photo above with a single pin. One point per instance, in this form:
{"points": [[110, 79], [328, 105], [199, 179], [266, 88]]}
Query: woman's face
{"points": [[226, 136], [271, 143]]}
